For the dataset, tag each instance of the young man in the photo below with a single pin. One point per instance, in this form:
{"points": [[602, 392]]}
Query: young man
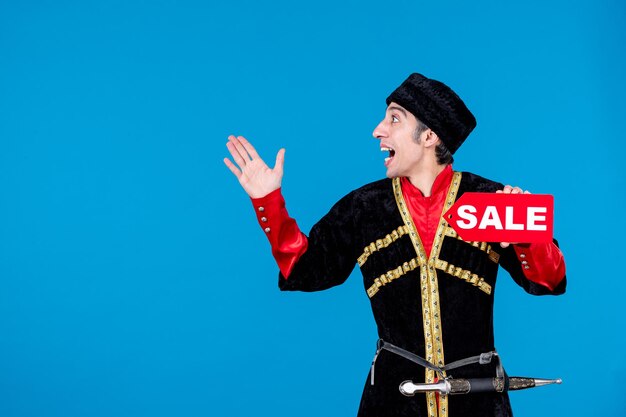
{"points": [[431, 292]]}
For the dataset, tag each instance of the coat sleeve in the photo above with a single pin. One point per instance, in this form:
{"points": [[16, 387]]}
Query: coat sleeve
{"points": [[331, 253], [287, 241], [511, 262]]}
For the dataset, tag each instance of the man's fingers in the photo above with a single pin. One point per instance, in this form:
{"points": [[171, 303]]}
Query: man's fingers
{"points": [[232, 168], [242, 151], [280, 161], [234, 152], [248, 146], [511, 190]]}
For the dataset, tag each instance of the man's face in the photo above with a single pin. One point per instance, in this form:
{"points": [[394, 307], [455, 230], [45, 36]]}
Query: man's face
{"points": [[396, 134]]}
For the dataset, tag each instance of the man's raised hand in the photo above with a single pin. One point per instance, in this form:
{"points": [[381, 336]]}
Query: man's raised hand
{"points": [[256, 178]]}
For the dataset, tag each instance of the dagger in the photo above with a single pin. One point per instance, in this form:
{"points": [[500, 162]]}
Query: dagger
{"points": [[475, 385]]}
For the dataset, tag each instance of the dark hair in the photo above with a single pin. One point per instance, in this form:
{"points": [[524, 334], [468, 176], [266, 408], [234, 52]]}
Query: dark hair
{"points": [[444, 156], [421, 128]]}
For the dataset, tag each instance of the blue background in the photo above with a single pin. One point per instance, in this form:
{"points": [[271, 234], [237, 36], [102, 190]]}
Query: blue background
{"points": [[134, 280]]}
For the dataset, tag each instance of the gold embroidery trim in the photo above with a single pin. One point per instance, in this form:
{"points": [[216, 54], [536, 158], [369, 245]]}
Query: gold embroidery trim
{"points": [[483, 246], [379, 244], [431, 314], [464, 274], [389, 276]]}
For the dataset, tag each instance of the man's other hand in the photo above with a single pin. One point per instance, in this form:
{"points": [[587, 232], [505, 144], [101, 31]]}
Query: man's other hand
{"points": [[256, 178], [510, 190]]}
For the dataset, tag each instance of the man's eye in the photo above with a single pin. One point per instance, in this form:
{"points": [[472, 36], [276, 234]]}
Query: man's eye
{"points": [[394, 119]]}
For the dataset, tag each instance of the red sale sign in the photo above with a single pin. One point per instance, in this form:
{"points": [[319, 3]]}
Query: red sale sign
{"points": [[498, 217]]}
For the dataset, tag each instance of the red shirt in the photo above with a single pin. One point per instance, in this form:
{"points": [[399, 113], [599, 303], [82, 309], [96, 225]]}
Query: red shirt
{"points": [[426, 211]]}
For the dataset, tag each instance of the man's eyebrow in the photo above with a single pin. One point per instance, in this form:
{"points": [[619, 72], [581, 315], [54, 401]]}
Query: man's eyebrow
{"points": [[400, 109]]}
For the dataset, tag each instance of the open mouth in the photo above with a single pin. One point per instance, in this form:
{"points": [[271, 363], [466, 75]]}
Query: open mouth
{"points": [[391, 151]]}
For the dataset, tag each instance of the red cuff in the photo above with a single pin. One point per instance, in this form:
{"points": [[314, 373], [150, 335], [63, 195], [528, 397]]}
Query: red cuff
{"points": [[287, 241], [542, 263]]}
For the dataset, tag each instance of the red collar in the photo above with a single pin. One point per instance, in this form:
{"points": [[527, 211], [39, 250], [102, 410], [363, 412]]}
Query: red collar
{"points": [[441, 184]]}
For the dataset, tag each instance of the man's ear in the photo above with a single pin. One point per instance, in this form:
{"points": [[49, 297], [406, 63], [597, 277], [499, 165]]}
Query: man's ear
{"points": [[431, 139]]}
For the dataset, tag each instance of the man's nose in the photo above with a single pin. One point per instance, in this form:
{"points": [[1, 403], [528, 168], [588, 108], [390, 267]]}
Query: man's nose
{"points": [[380, 131]]}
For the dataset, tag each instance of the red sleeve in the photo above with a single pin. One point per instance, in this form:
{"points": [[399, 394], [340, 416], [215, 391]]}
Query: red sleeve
{"points": [[542, 263], [288, 242]]}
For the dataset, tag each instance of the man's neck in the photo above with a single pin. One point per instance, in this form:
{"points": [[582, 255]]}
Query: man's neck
{"points": [[424, 178]]}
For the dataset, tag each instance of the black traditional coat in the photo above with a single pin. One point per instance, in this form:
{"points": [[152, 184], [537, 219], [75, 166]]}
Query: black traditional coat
{"points": [[440, 308]]}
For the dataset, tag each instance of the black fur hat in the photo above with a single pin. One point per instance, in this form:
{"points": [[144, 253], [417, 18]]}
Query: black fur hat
{"points": [[437, 106]]}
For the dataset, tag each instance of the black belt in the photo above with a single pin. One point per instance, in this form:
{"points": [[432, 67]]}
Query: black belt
{"points": [[482, 359]]}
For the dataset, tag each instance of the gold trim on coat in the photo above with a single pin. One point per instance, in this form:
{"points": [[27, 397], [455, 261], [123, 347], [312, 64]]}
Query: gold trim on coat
{"points": [[391, 275], [483, 246], [464, 274], [431, 314], [379, 244]]}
